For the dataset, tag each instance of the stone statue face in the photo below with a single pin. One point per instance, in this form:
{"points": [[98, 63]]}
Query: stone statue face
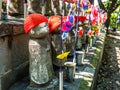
{"points": [[39, 31]]}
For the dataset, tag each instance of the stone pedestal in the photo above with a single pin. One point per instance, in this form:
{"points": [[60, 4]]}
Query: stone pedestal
{"points": [[91, 42], [94, 39], [70, 71], [80, 57], [69, 43], [79, 43], [52, 85]]}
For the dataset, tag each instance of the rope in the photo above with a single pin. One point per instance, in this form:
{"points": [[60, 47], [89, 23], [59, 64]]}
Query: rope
{"points": [[76, 34], [42, 2], [61, 49], [61, 43]]}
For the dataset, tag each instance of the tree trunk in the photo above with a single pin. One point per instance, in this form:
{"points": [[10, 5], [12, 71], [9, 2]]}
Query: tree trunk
{"points": [[91, 1], [107, 23]]}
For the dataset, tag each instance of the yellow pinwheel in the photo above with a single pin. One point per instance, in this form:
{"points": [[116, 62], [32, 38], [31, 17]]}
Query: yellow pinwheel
{"points": [[88, 11], [63, 55]]}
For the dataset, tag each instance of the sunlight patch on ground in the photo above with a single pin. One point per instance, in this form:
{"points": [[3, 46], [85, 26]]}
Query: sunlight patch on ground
{"points": [[118, 55], [116, 37]]}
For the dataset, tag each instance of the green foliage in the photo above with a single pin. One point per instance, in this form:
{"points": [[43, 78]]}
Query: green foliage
{"points": [[113, 20], [114, 17], [4, 6], [110, 7]]}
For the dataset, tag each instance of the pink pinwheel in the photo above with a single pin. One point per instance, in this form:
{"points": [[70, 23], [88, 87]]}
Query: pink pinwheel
{"points": [[66, 26], [89, 32], [5, 1], [94, 11], [94, 14], [67, 23]]}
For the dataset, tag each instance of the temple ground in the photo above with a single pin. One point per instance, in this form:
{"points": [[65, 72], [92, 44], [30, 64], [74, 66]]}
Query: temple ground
{"points": [[109, 73]]}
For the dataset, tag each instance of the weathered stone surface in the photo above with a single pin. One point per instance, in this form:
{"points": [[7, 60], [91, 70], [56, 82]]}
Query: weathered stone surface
{"points": [[56, 49], [13, 54], [11, 27], [15, 8], [5, 29], [33, 8], [52, 85], [41, 70], [5, 63], [79, 43], [69, 43], [80, 57]]}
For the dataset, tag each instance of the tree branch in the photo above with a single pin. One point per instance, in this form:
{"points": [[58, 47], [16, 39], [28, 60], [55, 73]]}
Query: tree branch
{"points": [[112, 6], [91, 1], [116, 6], [101, 5]]}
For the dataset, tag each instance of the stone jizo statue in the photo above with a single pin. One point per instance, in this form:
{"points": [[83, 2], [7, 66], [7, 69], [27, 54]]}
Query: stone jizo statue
{"points": [[41, 70]]}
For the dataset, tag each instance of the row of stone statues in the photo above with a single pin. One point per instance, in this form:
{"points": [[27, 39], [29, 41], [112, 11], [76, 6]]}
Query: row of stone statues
{"points": [[44, 46], [44, 42], [16, 7]]}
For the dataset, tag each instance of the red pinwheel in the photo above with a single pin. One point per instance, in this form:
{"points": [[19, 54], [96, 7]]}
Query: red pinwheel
{"points": [[81, 18], [97, 32], [80, 33], [71, 1]]}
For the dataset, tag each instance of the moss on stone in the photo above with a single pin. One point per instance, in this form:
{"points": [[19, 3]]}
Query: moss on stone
{"points": [[85, 83]]}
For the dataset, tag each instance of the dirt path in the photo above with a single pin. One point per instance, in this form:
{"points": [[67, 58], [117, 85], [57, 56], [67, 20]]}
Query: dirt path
{"points": [[109, 73]]}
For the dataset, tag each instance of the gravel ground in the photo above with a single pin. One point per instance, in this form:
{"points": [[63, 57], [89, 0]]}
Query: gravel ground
{"points": [[109, 73]]}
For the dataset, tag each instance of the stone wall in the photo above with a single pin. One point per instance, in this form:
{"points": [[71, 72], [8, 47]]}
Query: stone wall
{"points": [[13, 53]]}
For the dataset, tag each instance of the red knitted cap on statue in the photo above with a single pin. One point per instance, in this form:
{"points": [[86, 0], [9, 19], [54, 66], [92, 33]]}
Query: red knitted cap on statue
{"points": [[33, 20], [54, 22]]}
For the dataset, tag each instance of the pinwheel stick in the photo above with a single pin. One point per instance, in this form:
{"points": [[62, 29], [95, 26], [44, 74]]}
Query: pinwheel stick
{"points": [[61, 72], [76, 34]]}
